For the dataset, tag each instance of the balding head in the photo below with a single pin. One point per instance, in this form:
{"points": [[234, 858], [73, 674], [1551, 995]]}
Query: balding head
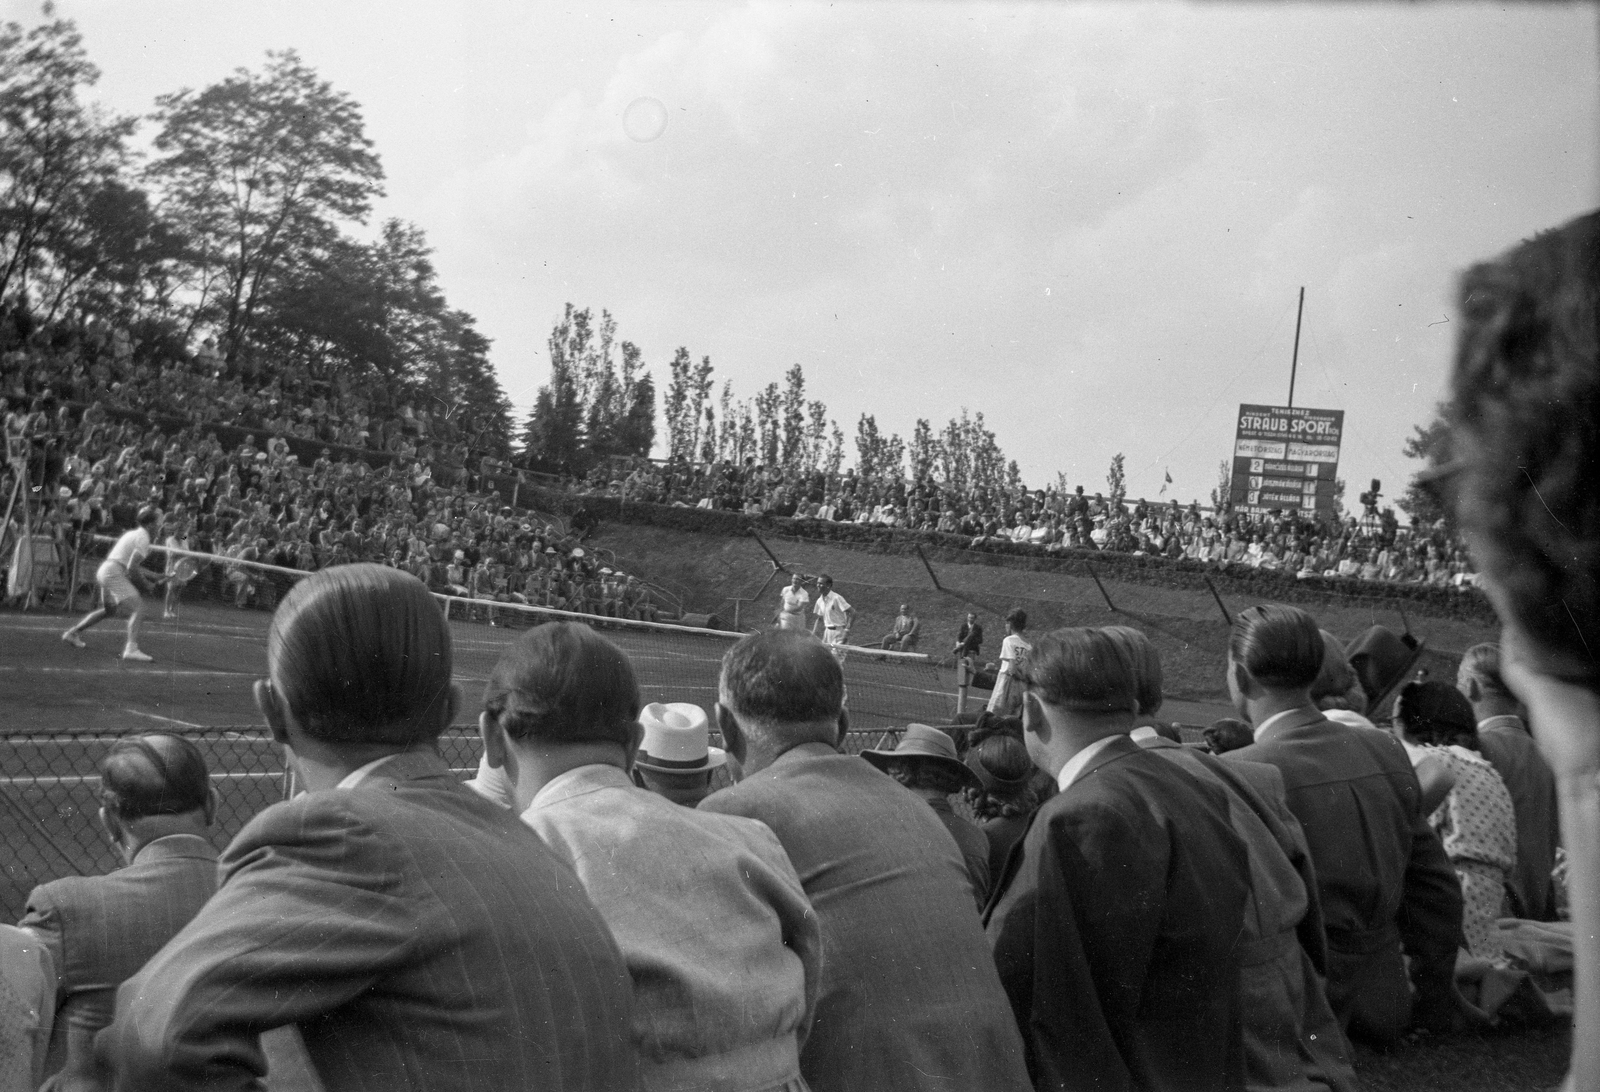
{"points": [[152, 786], [779, 689]]}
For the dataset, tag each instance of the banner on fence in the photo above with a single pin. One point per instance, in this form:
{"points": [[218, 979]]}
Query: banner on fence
{"points": [[1286, 457]]}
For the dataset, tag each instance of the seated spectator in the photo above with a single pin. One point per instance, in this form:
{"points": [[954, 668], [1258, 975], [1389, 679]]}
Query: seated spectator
{"points": [[1504, 740], [387, 896], [872, 858], [1476, 821], [724, 1007], [925, 762], [903, 636], [1132, 857], [1384, 881], [157, 807], [27, 1008]]}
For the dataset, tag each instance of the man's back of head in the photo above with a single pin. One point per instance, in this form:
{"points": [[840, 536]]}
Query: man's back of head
{"points": [[779, 689], [154, 774]]}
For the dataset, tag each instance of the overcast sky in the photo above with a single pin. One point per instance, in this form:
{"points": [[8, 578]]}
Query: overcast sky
{"points": [[1088, 221]]}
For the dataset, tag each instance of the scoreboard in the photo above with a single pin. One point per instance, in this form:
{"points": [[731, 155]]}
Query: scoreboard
{"points": [[1285, 457]]}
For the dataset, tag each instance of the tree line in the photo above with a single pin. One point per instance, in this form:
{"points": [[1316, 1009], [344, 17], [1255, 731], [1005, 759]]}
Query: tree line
{"points": [[235, 222]]}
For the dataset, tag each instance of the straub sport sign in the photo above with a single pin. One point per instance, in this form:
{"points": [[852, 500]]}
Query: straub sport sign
{"points": [[1285, 457]]}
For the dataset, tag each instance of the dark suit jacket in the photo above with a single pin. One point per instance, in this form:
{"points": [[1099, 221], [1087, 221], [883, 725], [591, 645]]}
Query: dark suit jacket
{"points": [[974, 846], [910, 999], [969, 639], [1383, 875], [1115, 926], [102, 929], [418, 935], [1516, 758]]}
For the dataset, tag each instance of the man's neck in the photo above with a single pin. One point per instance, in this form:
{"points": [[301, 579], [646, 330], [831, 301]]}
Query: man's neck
{"points": [[320, 765], [538, 765], [1270, 703]]}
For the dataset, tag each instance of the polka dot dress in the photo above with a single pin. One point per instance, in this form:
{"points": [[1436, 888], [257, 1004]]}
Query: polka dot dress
{"points": [[1479, 830]]}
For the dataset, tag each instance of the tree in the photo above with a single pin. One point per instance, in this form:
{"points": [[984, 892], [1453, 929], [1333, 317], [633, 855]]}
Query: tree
{"points": [[834, 460], [57, 155], [676, 407], [1430, 444], [816, 435], [924, 452], [699, 401], [1222, 492], [256, 171], [637, 434], [1116, 480], [769, 404], [792, 454], [869, 447]]}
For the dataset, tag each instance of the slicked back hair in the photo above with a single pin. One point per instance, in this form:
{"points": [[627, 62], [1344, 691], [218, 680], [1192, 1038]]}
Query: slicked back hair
{"points": [[361, 655], [1279, 645], [782, 677], [156, 773], [1146, 664], [564, 683], [1087, 670]]}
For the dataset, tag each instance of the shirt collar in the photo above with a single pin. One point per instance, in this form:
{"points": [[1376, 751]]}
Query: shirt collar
{"points": [[1274, 719], [1503, 720], [1076, 764], [176, 845]]}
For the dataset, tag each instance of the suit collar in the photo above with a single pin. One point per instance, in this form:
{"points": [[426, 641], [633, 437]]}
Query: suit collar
{"points": [[580, 781], [176, 846], [1119, 747], [405, 766]]}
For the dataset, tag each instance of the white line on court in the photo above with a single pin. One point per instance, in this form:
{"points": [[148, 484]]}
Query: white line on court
{"points": [[45, 780], [166, 720], [151, 672]]}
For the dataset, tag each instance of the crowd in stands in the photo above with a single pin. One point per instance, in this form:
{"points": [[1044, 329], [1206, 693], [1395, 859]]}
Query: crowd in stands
{"points": [[1373, 547], [256, 501]]}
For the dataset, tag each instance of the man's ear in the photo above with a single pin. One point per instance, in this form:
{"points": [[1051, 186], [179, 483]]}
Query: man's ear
{"points": [[1034, 719], [844, 725], [273, 710], [1241, 678], [1474, 691], [452, 704], [733, 740], [112, 827], [631, 748], [497, 749]]}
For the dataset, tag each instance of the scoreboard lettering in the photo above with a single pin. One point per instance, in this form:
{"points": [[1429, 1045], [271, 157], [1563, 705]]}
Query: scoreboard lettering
{"points": [[1286, 457]]}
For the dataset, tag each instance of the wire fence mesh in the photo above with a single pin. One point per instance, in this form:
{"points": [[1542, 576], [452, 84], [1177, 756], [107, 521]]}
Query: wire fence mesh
{"points": [[50, 796]]}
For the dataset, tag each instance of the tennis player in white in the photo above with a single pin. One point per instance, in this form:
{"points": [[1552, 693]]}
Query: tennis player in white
{"points": [[119, 578], [791, 615]]}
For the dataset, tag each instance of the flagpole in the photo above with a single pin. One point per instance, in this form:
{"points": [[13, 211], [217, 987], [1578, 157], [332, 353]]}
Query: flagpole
{"points": [[1294, 362]]}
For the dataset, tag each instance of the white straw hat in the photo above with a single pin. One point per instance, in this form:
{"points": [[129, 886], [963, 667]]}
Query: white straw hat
{"points": [[676, 739]]}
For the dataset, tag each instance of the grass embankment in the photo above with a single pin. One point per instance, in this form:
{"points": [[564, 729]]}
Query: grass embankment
{"points": [[709, 572]]}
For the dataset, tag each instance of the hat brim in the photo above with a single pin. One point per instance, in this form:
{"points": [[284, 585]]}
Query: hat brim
{"points": [[952, 765], [1403, 676], [715, 757]]}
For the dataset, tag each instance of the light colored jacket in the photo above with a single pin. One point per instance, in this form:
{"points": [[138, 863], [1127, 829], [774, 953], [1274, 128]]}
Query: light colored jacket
{"points": [[714, 926]]}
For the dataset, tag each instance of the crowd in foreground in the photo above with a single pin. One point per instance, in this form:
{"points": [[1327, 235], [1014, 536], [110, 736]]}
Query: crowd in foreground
{"points": [[1374, 547], [584, 914]]}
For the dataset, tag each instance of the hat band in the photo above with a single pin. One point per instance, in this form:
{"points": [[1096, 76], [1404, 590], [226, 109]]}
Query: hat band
{"points": [[676, 763]]}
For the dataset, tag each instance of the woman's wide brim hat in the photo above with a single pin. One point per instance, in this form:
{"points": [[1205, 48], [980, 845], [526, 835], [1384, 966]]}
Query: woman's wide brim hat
{"points": [[1383, 661], [922, 743], [677, 739]]}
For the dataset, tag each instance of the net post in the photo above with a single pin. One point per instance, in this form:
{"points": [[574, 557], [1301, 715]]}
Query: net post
{"points": [[963, 683]]}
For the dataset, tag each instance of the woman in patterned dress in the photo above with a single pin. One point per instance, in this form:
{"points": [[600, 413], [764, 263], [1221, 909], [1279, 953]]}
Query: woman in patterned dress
{"points": [[1476, 820]]}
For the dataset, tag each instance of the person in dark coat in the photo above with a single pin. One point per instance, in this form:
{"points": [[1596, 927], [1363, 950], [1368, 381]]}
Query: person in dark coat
{"points": [[925, 762], [1004, 802], [910, 999], [1117, 920], [1386, 886]]}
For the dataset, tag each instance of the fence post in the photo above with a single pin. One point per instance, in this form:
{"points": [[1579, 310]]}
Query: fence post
{"points": [[963, 682]]}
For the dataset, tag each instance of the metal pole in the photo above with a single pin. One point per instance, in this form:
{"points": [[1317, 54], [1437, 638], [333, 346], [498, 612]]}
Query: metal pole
{"points": [[776, 564], [1109, 604], [931, 574], [1220, 604], [1294, 361]]}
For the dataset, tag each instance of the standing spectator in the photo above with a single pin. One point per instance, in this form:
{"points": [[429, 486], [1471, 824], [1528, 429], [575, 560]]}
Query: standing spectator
{"points": [[792, 609], [925, 762], [417, 934], [1006, 697], [1115, 924], [1385, 883], [910, 999], [713, 924], [1504, 740], [1003, 801], [903, 637], [833, 614]]}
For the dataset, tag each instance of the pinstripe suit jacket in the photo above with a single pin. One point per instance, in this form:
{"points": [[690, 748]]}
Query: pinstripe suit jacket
{"points": [[419, 936], [101, 929]]}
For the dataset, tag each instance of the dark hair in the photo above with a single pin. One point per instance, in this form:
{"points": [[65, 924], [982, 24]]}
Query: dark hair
{"points": [[782, 677], [1280, 646], [1146, 664], [1083, 669], [1523, 471], [990, 724], [156, 773], [1227, 735], [1436, 712], [1017, 619], [1005, 757], [1481, 664], [1335, 677], [565, 683], [361, 654]]}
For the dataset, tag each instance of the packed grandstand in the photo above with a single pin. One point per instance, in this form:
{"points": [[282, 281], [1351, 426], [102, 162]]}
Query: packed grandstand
{"points": [[267, 465]]}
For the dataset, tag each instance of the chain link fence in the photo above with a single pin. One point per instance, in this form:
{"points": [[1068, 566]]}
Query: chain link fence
{"points": [[50, 796]]}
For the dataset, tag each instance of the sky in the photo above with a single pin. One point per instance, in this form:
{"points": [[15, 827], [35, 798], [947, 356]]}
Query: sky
{"points": [[1090, 222]]}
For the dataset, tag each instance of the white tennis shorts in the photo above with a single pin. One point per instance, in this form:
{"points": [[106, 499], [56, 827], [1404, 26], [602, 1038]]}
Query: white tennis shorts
{"points": [[115, 585]]}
